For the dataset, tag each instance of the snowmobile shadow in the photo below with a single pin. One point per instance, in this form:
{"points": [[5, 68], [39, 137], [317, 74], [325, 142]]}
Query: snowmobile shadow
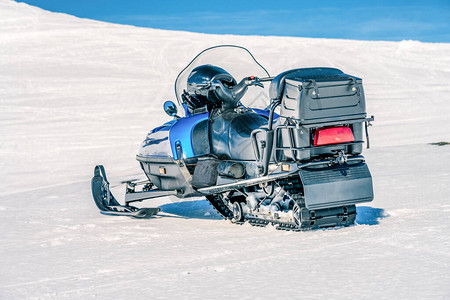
{"points": [[201, 209], [198, 209], [367, 215]]}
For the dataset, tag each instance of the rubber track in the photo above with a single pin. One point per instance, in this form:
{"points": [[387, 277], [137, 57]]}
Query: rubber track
{"points": [[218, 204], [294, 189]]}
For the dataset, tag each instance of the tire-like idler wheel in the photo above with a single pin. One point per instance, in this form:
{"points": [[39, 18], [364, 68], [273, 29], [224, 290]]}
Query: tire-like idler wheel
{"points": [[238, 214], [297, 215]]}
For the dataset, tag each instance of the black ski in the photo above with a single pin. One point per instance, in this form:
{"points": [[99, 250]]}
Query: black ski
{"points": [[108, 205]]}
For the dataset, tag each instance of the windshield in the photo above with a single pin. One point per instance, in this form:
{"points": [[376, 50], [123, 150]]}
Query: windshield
{"points": [[237, 61]]}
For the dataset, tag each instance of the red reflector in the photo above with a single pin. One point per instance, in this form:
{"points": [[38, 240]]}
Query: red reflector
{"points": [[334, 135]]}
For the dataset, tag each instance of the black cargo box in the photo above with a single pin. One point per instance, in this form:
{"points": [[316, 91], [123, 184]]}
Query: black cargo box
{"points": [[321, 95], [314, 98]]}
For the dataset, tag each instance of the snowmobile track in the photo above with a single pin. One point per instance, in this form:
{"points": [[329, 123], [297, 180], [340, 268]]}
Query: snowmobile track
{"points": [[218, 204], [306, 219]]}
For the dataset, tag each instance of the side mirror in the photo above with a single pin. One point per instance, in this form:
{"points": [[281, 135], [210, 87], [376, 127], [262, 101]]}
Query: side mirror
{"points": [[171, 109]]}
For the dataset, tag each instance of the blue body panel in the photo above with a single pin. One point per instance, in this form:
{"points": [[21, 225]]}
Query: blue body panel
{"points": [[157, 141], [181, 134], [165, 127]]}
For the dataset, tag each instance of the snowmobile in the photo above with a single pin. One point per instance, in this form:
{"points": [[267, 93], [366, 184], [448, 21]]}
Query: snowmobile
{"points": [[283, 150]]}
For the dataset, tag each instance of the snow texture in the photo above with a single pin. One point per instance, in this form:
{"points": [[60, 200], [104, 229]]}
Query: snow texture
{"points": [[75, 93]]}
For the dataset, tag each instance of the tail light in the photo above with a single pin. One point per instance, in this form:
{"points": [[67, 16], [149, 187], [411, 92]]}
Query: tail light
{"points": [[333, 135]]}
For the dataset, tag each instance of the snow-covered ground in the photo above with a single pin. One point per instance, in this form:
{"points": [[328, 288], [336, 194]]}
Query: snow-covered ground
{"points": [[75, 93]]}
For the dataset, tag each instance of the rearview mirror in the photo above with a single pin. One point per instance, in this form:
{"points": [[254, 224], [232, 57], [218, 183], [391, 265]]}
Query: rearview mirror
{"points": [[170, 108]]}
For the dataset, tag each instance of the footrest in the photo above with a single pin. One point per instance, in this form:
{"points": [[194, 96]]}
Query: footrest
{"points": [[108, 205]]}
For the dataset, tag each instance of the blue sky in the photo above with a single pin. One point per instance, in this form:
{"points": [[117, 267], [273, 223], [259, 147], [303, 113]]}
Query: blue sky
{"points": [[427, 21]]}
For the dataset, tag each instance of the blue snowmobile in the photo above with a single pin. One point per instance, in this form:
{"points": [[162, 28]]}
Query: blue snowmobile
{"points": [[290, 157]]}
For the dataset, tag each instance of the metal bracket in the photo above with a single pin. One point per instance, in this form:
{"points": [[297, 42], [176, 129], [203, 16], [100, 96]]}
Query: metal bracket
{"points": [[341, 159], [316, 88], [355, 85], [367, 124], [140, 196]]}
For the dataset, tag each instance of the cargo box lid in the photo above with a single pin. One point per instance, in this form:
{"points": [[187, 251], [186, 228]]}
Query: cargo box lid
{"points": [[304, 75]]}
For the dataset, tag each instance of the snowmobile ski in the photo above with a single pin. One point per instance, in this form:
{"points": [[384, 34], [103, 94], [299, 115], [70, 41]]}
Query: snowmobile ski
{"points": [[130, 211], [108, 204]]}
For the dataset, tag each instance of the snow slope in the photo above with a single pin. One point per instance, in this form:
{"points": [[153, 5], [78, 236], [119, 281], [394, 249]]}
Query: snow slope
{"points": [[75, 93]]}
